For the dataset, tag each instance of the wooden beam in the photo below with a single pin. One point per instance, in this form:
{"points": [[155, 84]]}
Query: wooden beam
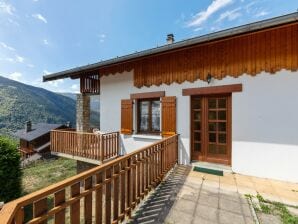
{"points": [[147, 95], [212, 90]]}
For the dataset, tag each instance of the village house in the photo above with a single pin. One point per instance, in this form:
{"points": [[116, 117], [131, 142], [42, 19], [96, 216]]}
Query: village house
{"points": [[223, 101], [229, 95], [35, 138]]}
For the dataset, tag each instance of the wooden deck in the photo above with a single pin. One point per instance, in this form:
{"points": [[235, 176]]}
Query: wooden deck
{"points": [[85, 146], [109, 192]]}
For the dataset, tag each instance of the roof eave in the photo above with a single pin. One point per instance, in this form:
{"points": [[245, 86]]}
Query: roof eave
{"points": [[281, 20]]}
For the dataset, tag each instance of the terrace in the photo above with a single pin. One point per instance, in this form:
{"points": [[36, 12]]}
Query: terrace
{"points": [[109, 192], [84, 146]]}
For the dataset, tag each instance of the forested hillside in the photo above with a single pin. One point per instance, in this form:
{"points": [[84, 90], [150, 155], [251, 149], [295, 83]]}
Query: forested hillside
{"points": [[20, 102]]}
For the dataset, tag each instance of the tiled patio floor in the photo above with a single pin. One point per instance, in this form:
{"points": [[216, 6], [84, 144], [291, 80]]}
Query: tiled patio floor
{"points": [[192, 197]]}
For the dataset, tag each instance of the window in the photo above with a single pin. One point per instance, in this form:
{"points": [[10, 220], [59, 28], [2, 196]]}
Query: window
{"points": [[148, 115]]}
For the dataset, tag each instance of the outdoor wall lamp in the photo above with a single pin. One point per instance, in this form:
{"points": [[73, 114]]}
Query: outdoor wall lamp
{"points": [[209, 78]]}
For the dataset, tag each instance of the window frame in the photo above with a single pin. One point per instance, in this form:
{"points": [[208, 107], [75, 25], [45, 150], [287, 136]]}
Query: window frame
{"points": [[138, 117]]}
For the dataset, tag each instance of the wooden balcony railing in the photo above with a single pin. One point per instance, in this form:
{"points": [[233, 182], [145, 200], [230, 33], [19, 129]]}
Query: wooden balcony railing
{"points": [[107, 193], [87, 145]]}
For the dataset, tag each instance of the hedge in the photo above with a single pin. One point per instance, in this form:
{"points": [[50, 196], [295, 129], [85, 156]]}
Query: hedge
{"points": [[10, 170]]}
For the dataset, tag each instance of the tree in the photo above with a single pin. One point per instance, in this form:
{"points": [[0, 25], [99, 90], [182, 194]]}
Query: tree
{"points": [[10, 170]]}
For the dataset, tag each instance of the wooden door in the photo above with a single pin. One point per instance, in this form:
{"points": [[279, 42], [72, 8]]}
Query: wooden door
{"points": [[211, 128]]}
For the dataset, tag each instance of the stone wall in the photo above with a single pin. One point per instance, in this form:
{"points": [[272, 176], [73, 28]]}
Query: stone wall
{"points": [[83, 112]]}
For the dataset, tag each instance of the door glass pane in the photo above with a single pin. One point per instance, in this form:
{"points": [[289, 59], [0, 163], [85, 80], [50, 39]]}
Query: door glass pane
{"points": [[156, 115], [144, 116], [197, 125], [212, 137], [222, 126], [197, 115], [222, 138], [212, 103], [212, 126], [197, 136], [197, 147], [222, 115], [212, 115], [222, 103], [196, 103]]}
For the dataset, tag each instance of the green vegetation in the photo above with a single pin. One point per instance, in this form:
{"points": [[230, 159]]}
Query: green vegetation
{"points": [[274, 208], [43, 173], [10, 171], [46, 172], [20, 102]]}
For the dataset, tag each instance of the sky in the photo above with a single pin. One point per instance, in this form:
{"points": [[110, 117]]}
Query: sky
{"points": [[39, 37]]}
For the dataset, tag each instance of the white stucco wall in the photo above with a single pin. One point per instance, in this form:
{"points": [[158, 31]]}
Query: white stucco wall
{"points": [[264, 120]]}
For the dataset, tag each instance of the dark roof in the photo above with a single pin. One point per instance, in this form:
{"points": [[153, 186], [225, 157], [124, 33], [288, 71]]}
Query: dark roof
{"points": [[37, 130], [248, 28]]}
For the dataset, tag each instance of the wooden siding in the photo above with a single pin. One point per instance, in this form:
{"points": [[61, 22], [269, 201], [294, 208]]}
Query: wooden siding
{"points": [[268, 50], [168, 115], [90, 84], [110, 192]]}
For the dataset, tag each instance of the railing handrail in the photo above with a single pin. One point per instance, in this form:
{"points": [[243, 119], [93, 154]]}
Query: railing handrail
{"points": [[82, 132], [9, 210]]}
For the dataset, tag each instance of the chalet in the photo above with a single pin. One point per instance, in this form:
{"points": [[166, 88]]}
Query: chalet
{"points": [[35, 138], [225, 98], [227, 94]]}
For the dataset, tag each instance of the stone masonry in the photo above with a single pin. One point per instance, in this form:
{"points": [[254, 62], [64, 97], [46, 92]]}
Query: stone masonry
{"points": [[83, 112], [83, 120]]}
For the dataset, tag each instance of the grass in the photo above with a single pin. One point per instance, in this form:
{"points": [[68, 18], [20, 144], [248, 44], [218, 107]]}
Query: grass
{"points": [[46, 172], [43, 173], [274, 208]]}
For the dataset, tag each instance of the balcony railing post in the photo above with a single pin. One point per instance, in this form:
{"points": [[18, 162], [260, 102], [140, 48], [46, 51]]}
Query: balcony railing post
{"points": [[101, 149]]}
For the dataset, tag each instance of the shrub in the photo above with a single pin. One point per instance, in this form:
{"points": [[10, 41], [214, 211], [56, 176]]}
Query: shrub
{"points": [[10, 170]]}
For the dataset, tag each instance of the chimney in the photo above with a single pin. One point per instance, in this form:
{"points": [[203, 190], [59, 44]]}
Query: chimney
{"points": [[170, 38], [68, 124], [28, 126]]}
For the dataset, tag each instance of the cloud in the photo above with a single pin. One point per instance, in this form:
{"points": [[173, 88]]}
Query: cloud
{"points": [[7, 59], [55, 83], [102, 37], [6, 8], [15, 76], [230, 15], [75, 88], [261, 13], [5, 46], [202, 16], [30, 65], [19, 59], [40, 17], [46, 72], [46, 42]]}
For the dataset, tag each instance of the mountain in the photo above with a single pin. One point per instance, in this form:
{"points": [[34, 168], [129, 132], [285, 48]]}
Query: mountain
{"points": [[94, 100], [94, 106], [20, 102]]}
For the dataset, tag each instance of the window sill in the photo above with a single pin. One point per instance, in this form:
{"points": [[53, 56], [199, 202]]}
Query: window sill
{"points": [[142, 136]]}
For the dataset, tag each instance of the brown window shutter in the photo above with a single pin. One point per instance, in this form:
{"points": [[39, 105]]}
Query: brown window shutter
{"points": [[168, 115], [126, 117]]}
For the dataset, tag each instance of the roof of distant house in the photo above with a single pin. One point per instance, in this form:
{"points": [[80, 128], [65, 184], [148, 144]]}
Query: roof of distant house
{"points": [[37, 130], [248, 28]]}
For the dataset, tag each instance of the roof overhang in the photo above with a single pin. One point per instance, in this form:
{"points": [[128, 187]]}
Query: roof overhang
{"points": [[252, 27]]}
